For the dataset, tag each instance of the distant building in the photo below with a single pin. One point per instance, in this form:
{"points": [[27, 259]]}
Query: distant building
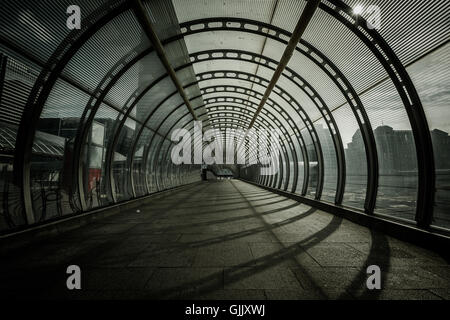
{"points": [[355, 155], [327, 144], [396, 150], [441, 145]]}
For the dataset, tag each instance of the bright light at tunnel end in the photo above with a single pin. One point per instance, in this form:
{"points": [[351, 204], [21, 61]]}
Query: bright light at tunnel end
{"points": [[262, 147]]}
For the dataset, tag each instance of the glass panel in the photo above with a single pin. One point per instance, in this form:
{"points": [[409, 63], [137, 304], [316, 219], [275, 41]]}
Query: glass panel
{"points": [[11, 209], [397, 184], [121, 38], [431, 78], [17, 84], [301, 167], [35, 26], [355, 158], [121, 160], [138, 162], [329, 159], [95, 178], [161, 165], [313, 164], [53, 188], [134, 80], [199, 9], [291, 168], [151, 165]]}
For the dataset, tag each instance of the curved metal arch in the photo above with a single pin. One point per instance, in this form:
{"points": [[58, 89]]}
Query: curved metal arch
{"points": [[331, 124], [228, 106], [245, 121], [130, 104], [151, 141], [339, 193], [165, 136], [162, 141], [338, 76], [224, 99], [156, 154], [410, 98], [286, 154], [274, 119], [280, 124], [41, 89], [210, 125], [92, 106], [131, 156], [226, 103], [249, 152], [145, 125], [114, 141], [145, 91], [270, 180], [291, 145], [245, 116], [186, 124], [316, 56], [314, 137], [301, 142], [396, 72], [419, 162], [283, 146]]}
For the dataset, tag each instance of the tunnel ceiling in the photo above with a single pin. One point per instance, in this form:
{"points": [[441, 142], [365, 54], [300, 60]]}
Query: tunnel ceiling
{"points": [[347, 89]]}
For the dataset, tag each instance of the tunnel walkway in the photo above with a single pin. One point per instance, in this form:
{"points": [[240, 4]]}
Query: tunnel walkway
{"points": [[224, 240]]}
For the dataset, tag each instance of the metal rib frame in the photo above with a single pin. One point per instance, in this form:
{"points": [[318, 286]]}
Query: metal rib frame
{"points": [[410, 98], [136, 97], [259, 125], [39, 94], [305, 118], [315, 56], [392, 65], [231, 104], [227, 103], [312, 94], [175, 123]]}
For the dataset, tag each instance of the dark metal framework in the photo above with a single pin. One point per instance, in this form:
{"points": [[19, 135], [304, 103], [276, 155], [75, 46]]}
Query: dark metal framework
{"points": [[52, 71], [410, 99], [41, 90], [3, 62], [317, 146], [315, 56], [230, 103], [232, 107], [309, 91]]}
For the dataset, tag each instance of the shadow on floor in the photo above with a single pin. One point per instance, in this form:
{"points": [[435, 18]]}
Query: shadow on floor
{"points": [[154, 254]]}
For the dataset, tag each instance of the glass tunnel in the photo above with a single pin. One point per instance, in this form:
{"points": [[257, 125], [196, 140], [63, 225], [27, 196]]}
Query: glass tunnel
{"points": [[88, 113], [356, 90]]}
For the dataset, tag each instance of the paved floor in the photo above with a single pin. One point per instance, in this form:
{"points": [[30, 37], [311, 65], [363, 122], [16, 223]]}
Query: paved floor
{"points": [[224, 240]]}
